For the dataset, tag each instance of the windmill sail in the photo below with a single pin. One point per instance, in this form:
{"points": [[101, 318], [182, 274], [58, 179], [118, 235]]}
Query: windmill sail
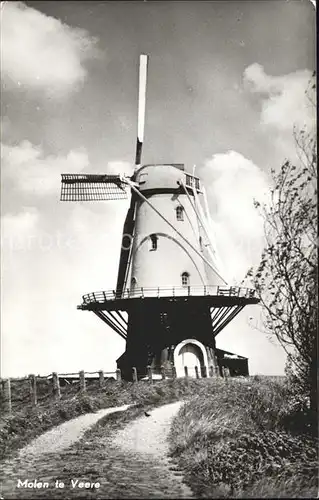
{"points": [[141, 108], [128, 228], [92, 187]]}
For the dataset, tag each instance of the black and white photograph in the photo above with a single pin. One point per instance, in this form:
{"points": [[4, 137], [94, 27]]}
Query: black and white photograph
{"points": [[159, 249]]}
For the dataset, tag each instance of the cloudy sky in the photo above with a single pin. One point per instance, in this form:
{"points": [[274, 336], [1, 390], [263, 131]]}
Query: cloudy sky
{"points": [[226, 85]]}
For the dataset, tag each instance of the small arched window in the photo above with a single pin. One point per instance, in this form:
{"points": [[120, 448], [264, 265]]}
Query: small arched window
{"points": [[133, 281], [179, 213], [185, 279], [153, 239]]}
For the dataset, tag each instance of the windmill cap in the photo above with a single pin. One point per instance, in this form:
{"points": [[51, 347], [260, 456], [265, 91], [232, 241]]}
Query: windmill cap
{"points": [[161, 177], [180, 166]]}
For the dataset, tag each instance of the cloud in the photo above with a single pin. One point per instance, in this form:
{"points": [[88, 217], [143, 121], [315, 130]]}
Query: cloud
{"points": [[232, 183], [5, 127], [120, 167], [40, 52], [284, 99], [16, 229], [44, 275], [32, 172], [51, 254], [44, 281], [26, 166]]}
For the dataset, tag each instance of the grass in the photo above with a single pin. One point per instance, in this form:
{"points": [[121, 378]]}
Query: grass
{"points": [[240, 438], [27, 422], [246, 439], [121, 474]]}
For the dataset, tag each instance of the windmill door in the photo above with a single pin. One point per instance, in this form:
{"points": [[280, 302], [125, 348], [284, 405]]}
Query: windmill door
{"points": [[190, 355]]}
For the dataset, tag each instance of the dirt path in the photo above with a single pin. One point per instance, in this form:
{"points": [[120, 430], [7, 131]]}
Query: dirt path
{"points": [[128, 463], [149, 436], [64, 435]]}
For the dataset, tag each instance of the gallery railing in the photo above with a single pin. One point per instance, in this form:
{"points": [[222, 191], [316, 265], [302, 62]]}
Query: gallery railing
{"points": [[175, 291]]}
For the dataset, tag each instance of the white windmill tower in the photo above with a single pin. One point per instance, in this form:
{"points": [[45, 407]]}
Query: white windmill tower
{"points": [[170, 300]]}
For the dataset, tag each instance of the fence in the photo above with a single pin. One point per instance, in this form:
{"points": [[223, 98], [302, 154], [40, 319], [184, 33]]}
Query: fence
{"points": [[36, 385]]}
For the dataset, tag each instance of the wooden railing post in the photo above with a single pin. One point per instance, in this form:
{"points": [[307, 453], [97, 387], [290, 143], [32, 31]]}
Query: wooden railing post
{"points": [[211, 371], [82, 381], [33, 389], [204, 371], [186, 371], [7, 394], [134, 374], [225, 373], [56, 385], [174, 375], [196, 371], [118, 375], [101, 378], [163, 373], [150, 374]]}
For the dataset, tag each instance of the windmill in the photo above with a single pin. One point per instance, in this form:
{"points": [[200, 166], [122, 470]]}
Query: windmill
{"points": [[171, 299]]}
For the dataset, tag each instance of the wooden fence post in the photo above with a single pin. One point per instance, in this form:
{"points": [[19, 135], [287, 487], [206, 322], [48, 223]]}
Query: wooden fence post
{"points": [[56, 385], [118, 375], [150, 374], [163, 373], [33, 389], [7, 394], [101, 378], [82, 381], [211, 371], [134, 373], [196, 371], [186, 371]]}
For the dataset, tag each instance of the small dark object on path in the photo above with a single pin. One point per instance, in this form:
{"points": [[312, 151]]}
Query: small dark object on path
{"points": [[147, 414]]}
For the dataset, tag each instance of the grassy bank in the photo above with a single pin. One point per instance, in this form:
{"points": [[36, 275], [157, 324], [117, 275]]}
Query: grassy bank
{"points": [[27, 422], [246, 439]]}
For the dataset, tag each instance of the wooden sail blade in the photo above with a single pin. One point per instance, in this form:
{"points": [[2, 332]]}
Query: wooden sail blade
{"points": [[141, 107], [92, 187]]}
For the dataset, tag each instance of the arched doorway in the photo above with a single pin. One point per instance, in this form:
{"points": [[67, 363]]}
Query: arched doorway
{"points": [[190, 353]]}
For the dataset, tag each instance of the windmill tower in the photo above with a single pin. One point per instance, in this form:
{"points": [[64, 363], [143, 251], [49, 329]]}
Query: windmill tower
{"points": [[171, 299]]}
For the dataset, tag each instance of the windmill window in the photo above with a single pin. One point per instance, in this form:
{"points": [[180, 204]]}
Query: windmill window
{"points": [[185, 279], [133, 281], [179, 213], [154, 239]]}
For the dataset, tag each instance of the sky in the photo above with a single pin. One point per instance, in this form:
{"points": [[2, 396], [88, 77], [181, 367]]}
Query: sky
{"points": [[226, 84]]}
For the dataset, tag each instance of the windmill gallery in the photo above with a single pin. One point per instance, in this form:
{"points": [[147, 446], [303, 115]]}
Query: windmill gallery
{"points": [[171, 299]]}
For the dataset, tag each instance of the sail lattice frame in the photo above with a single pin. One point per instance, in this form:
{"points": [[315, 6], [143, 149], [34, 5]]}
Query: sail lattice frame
{"points": [[92, 187]]}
